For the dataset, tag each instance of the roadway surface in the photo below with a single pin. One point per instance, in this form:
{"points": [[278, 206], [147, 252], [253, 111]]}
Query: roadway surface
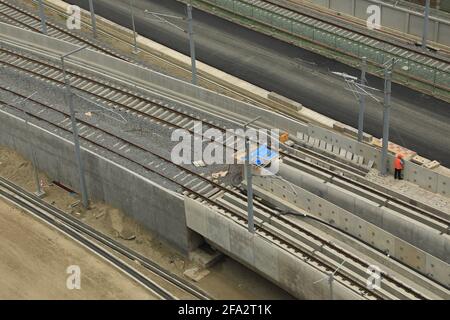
{"points": [[418, 121]]}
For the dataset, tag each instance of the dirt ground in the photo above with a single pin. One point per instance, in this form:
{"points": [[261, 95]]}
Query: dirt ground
{"points": [[226, 280], [34, 259]]}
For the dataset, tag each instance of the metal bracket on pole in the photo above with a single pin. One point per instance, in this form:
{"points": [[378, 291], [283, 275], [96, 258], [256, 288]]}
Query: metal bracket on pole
{"points": [[43, 17], [360, 90], [93, 18], [160, 17]]}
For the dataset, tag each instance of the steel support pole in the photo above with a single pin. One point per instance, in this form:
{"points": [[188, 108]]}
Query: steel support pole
{"points": [[93, 18], [192, 44], [69, 99], [362, 101], [386, 115], [248, 175], [135, 49], [330, 282], [426, 22], [43, 18]]}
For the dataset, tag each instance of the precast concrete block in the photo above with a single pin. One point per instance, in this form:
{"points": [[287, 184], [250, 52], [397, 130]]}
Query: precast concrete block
{"points": [[341, 198], [241, 243], [409, 255], [379, 238], [266, 258], [218, 228], [369, 211], [438, 270], [196, 216], [443, 185]]}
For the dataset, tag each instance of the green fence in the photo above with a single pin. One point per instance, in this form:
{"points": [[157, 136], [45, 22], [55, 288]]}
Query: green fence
{"points": [[433, 74]]}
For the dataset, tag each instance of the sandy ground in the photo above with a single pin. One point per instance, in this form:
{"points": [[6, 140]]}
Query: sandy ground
{"points": [[34, 259], [226, 280]]}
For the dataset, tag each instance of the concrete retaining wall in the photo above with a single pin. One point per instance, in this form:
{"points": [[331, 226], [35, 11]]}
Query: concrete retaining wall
{"points": [[425, 178], [209, 101], [417, 234], [156, 208], [284, 268], [294, 197]]}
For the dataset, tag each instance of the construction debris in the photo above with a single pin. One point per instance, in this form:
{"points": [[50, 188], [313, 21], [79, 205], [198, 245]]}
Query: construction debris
{"points": [[219, 174]]}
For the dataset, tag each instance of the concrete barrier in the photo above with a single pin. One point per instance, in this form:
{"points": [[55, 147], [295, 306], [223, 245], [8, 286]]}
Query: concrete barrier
{"points": [[156, 208], [292, 197], [317, 127], [420, 235], [286, 269]]}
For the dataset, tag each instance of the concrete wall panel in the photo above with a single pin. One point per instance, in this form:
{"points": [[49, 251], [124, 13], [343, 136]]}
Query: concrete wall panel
{"points": [[158, 209], [275, 263]]}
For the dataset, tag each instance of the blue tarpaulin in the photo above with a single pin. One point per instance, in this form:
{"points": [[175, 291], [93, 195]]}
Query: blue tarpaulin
{"points": [[261, 156]]}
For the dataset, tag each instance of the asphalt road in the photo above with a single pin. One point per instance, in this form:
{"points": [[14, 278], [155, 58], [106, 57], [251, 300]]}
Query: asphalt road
{"points": [[418, 122]]}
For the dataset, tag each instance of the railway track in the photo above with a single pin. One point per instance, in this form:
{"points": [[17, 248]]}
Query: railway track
{"points": [[330, 261], [138, 105], [22, 18], [124, 100], [99, 243]]}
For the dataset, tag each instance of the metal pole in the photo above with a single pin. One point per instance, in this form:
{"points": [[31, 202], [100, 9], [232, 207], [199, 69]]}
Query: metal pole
{"points": [[135, 49], [84, 197], [43, 18], [248, 175], [386, 115], [330, 281], [426, 20], [39, 192], [93, 18], [362, 101], [192, 44]]}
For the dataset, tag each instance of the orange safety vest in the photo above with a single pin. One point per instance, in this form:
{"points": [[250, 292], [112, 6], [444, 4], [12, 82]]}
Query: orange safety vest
{"points": [[398, 163]]}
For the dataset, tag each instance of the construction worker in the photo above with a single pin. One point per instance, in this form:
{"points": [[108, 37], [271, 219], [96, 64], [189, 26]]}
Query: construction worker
{"points": [[399, 164]]}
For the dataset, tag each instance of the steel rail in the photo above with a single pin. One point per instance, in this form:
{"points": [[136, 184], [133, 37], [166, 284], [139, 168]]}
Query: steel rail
{"points": [[349, 256], [83, 228], [19, 197], [408, 204]]}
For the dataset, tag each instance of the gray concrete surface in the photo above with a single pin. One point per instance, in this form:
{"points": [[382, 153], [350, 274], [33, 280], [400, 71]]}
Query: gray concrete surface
{"points": [[157, 208], [294, 73], [184, 93], [291, 197], [418, 234], [284, 268]]}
